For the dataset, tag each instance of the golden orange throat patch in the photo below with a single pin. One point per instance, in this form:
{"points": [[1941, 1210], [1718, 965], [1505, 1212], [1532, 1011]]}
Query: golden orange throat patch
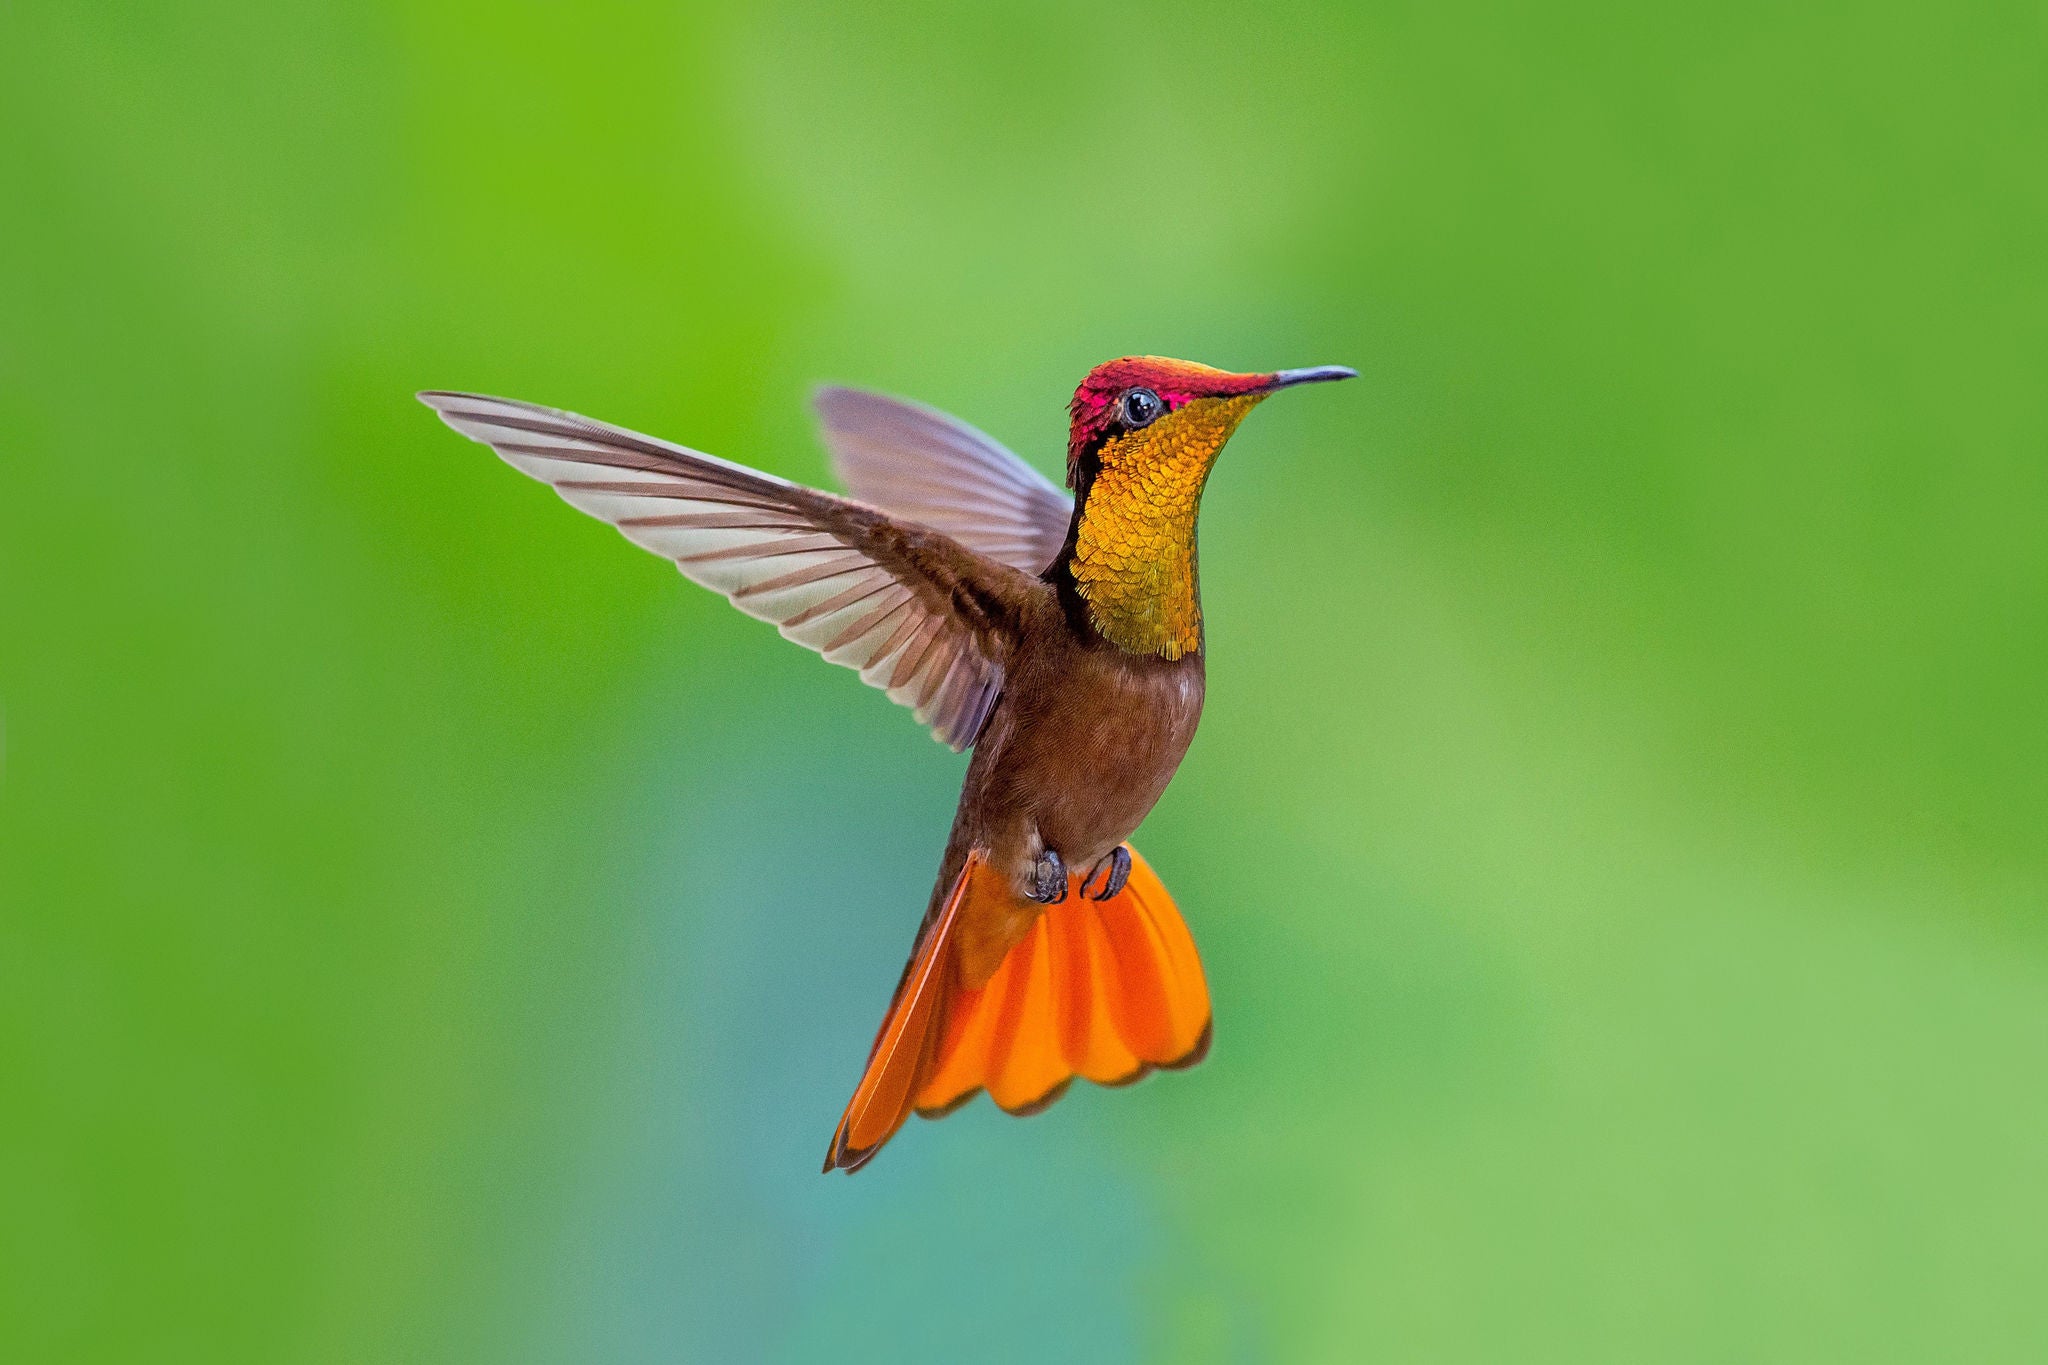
{"points": [[1134, 556]]}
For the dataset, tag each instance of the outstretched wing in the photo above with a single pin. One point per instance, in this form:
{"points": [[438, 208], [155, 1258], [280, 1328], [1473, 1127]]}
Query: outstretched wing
{"points": [[919, 464], [919, 615]]}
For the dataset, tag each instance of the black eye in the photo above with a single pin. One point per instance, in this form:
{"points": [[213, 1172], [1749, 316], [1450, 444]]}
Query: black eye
{"points": [[1141, 408]]}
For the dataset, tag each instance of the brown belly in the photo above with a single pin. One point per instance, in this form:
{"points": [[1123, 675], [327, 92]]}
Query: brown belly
{"points": [[1080, 749]]}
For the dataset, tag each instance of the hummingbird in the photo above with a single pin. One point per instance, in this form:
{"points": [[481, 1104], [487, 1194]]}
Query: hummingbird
{"points": [[1058, 636]]}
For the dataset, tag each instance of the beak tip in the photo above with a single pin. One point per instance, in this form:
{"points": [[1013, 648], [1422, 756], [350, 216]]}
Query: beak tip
{"points": [[1315, 374]]}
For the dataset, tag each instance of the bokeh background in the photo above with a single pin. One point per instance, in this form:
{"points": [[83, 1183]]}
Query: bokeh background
{"points": [[431, 930]]}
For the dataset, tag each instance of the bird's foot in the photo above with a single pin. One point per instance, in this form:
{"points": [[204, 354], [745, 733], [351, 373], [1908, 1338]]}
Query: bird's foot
{"points": [[1048, 878], [1113, 880]]}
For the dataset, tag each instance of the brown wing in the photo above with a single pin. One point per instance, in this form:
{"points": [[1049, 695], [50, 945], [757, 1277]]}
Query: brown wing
{"points": [[920, 464], [921, 616]]}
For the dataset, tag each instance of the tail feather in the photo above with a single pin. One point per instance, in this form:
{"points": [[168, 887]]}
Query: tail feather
{"points": [[1105, 990], [1024, 1060], [902, 1047], [1087, 1031]]}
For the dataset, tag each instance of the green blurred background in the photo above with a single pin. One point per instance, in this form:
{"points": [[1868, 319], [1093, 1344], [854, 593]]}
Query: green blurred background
{"points": [[430, 930]]}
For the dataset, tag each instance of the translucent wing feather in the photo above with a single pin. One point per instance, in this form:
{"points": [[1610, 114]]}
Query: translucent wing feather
{"points": [[917, 614], [919, 464]]}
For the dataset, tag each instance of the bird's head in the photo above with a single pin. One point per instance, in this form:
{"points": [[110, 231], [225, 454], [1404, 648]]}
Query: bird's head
{"points": [[1145, 432], [1149, 410]]}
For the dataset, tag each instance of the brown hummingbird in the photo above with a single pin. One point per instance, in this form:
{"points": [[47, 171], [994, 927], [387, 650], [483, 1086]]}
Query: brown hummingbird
{"points": [[1060, 638]]}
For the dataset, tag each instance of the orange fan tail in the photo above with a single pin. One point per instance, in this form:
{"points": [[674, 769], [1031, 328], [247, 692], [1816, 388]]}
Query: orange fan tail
{"points": [[1106, 990]]}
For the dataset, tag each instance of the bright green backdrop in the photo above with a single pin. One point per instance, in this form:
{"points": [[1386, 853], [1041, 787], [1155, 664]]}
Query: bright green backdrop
{"points": [[430, 930]]}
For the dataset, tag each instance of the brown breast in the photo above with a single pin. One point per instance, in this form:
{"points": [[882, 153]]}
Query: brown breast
{"points": [[1086, 739]]}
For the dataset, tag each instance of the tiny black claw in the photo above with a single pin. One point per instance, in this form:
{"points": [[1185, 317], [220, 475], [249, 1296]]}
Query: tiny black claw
{"points": [[1119, 873], [1049, 874]]}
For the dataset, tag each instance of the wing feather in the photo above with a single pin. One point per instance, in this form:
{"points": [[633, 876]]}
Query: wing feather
{"points": [[924, 466], [918, 613]]}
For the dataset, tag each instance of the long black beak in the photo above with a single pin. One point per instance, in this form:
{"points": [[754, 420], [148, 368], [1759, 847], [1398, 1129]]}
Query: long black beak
{"points": [[1317, 374]]}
